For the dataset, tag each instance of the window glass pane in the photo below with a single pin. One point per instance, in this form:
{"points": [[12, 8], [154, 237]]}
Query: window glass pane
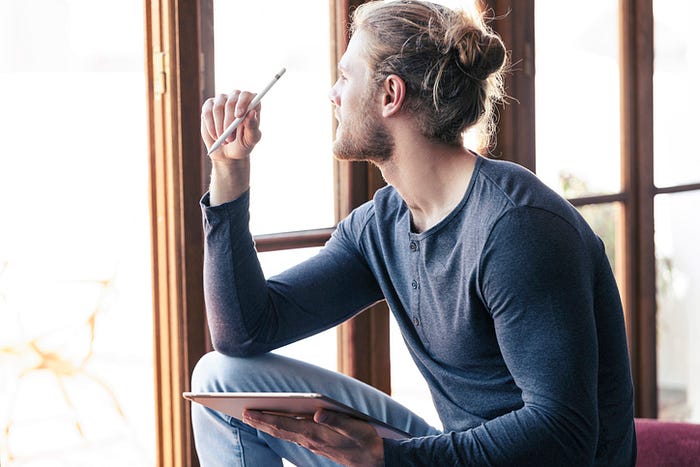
{"points": [[293, 164], [76, 335], [605, 220], [321, 349], [678, 301], [577, 96], [676, 74]]}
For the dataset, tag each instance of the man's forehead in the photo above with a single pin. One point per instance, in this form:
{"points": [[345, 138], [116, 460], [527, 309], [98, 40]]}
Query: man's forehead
{"points": [[354, 54]]}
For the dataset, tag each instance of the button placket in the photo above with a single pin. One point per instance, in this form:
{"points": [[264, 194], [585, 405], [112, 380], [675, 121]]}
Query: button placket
{"points": [[414, 247]]}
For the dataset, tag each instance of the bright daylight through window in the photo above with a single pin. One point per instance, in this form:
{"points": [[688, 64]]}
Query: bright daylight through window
{"points": [[76, 334], [292, 166]]}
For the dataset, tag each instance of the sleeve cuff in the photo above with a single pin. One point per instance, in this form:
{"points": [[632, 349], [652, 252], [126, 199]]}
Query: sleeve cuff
{"points": [[244, 200]]}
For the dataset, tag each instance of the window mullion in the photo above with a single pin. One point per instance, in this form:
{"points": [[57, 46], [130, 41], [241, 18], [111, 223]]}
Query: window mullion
{"points": [[639, 282]]}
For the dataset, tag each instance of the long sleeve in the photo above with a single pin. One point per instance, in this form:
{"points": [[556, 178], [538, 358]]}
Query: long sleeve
{"points": [[248, 314], [538, 280]]}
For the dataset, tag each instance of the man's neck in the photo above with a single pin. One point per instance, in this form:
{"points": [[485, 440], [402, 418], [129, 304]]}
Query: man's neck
{"points": [[431, 178]]}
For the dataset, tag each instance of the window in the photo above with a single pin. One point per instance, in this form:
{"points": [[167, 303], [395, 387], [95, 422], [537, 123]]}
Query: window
{"points": [[636, 193], [76, 324], [628, 163], [577, 97], [578, 110], [297, 119], [292, 166], [677, 182]]}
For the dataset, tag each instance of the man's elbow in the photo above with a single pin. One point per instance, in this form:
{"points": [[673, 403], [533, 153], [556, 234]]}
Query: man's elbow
{"points": [[569, 437], [232, 348], [580, 442]]}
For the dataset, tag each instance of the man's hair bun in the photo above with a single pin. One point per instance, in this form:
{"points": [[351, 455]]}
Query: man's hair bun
{"points": [[479, 54]]}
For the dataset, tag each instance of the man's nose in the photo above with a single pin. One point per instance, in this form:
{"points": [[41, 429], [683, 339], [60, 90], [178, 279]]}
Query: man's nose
{"points": [[333, 95]]}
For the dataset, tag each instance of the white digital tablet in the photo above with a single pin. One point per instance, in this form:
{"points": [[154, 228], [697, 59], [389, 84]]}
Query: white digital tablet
{"points": [[291, 404]]}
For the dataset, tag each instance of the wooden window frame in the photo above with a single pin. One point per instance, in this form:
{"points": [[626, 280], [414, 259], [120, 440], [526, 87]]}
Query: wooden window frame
{"points": [[514, 21], [516, 142], [174, 57], [637, 100], [639, 277]]}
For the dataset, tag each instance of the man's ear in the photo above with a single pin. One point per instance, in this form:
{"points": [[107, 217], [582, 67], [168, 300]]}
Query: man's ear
{"points": [[394, 93]]}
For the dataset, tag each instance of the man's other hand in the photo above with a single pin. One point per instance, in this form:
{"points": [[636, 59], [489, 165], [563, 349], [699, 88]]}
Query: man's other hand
{"points": [[339, 437]]}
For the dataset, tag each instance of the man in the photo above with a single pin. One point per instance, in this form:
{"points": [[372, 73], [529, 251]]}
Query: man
{"points": [[503, 293]]}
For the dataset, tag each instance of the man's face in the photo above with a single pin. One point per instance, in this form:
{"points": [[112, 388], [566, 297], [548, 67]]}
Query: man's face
{"points": [[361, 133]]}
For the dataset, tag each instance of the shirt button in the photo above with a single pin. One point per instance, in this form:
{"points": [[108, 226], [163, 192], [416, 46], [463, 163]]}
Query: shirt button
{"points": [[414, 284], [413, 246], [416, 323]]}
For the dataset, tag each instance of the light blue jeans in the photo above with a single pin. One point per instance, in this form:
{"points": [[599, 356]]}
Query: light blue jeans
{"points": [[221, 440]]}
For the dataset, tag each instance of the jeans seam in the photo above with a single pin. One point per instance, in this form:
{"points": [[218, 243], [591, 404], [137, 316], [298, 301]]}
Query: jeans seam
{"points": [[237, 441]]}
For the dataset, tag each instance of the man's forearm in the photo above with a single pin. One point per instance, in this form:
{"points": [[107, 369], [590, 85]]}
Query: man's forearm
{"points": [[229, 180]]}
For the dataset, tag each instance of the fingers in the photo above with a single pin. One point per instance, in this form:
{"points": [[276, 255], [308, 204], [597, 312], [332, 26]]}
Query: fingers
{"points": [[208, 128], [325, 424], [344, 424], [222, 103], [343, 439], [220, 111], [297, 430], [242, 104]]}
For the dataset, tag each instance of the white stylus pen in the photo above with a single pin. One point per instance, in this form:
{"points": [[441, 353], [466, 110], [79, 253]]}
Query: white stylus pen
{"points": [[232, 127]]}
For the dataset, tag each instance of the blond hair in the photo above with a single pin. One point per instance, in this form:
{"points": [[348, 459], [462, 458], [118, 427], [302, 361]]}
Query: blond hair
{"points": [[451, 61]]}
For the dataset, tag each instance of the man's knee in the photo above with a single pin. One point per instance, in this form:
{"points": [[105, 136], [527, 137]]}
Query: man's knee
{"points": [[216, 372], [204, 372]]}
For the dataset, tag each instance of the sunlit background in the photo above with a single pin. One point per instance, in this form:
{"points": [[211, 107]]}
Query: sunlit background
{"points": [[76, 332]]}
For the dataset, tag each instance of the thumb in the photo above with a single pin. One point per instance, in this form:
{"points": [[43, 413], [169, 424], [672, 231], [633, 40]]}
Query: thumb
{"points": [[344, 424]]}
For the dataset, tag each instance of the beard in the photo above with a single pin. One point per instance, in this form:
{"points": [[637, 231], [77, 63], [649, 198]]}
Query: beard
{"points": [[363, 137]]}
